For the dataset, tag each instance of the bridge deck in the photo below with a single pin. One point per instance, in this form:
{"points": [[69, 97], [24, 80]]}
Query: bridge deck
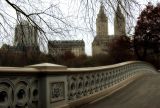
{"points": [[142, 93]]}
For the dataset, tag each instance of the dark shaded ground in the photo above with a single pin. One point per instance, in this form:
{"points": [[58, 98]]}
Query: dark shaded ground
{"points": [[142, 93]]}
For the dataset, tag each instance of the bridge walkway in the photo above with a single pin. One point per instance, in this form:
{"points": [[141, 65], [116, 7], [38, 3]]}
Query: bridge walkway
{"points": [[142, 93]]}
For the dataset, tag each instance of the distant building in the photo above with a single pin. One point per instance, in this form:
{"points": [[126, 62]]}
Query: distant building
{"points": [[102, 39], [25, 40], [77, 47], [26, 36], [119, 23]]}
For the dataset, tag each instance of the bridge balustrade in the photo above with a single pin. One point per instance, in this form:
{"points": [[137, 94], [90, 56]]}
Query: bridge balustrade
{"points": [[49, 86]]}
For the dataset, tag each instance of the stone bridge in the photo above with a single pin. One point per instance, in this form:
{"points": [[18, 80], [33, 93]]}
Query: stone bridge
{"points": [[133, 83]]}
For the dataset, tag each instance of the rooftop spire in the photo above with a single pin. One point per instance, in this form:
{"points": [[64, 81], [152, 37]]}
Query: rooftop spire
{"points": [[119, 22], [118, 9], [101, 1], [101, 14], [101, 11], [118, 12]]}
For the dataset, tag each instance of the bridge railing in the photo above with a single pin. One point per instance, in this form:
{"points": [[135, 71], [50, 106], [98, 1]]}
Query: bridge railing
{"points": [[49, 86]]}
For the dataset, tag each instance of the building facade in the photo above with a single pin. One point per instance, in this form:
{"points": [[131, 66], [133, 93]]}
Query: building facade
{"points": [[119, 23], [26, 36], [102, 39], [77, 47]]}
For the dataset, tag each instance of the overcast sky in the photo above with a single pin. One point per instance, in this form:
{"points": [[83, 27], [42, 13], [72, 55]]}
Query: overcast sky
{"points": [[72, 13]]}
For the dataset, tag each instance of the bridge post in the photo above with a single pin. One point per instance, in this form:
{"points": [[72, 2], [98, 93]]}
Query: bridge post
{"points": [[52, 87]]}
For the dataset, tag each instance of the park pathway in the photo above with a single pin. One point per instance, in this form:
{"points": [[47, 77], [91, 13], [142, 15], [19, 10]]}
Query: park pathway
{"points": [[142, 93]]}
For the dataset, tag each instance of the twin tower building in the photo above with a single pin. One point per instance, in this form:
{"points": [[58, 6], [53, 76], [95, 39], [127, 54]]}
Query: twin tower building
{"points": [[26, 36], [99, 45]]}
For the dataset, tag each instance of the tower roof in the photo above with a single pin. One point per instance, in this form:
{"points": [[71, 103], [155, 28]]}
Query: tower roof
{"points": [[119, 22], [101, 11], [118, 12], [118, 9], [101, 14]]}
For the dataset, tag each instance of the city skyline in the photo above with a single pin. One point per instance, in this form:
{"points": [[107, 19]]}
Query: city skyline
{"points": [[86, 36]]}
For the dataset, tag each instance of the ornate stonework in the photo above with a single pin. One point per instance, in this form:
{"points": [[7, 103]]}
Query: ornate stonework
{"points": [[31, 87], [89, 83], [57, 92], [19, 92]]}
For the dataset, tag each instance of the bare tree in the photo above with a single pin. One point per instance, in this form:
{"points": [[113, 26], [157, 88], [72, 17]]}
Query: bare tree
{"points": [[48, 18], [130, 9]]}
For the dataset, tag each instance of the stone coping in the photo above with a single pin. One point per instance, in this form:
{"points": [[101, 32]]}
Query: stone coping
{"points": [[49, 68], [103, 67]]}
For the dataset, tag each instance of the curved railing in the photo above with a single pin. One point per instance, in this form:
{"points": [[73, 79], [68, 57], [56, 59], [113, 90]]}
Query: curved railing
{"points": [[50, 86]]}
